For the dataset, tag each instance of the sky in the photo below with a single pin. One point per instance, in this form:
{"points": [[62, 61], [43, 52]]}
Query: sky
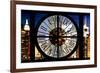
{"points": [[36, 17]]}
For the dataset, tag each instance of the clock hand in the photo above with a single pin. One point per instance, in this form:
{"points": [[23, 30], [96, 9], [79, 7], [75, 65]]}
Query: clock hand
{"points": [[67, 31]]}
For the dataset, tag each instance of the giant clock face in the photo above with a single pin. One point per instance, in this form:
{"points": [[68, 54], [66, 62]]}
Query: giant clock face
{"points": [[57, 36]]}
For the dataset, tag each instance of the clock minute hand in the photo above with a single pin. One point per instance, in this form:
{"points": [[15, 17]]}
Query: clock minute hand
{"points": [[68, 29]]}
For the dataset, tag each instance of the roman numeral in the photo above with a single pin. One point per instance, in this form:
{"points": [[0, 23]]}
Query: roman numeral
{"points": [[45, 46], [74, 33], [47, 26], [66, 21], [53, 20], [40, 33], [67, 50], [61, 52], [49, 52], [54, 52], [43, 28], [41, 39], [49, 21], [71, 42], [60, 21]]}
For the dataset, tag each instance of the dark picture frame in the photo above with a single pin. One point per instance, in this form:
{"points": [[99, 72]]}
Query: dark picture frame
{"points": [[13, 36]]}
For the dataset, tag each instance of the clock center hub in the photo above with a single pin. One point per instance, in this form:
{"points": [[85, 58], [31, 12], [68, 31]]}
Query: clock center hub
{"points": [[56, 36]]}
